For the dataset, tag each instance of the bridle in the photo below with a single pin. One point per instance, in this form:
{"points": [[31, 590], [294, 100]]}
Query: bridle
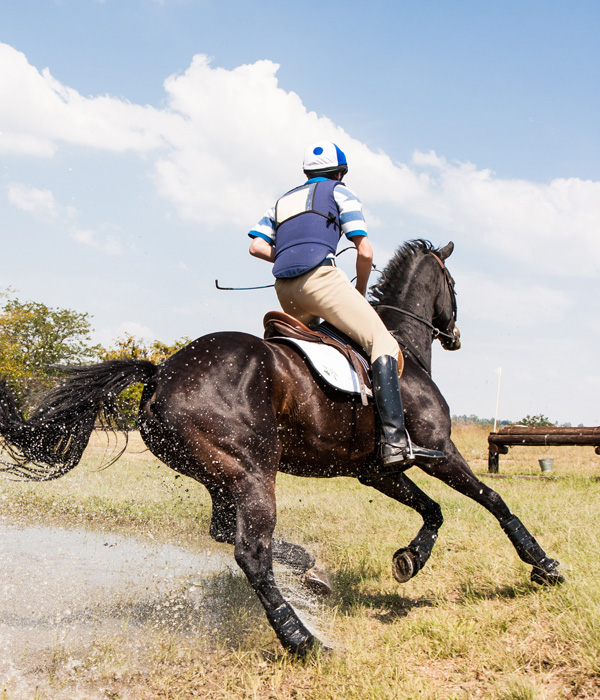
{"points": [[435, 332], [405, 344], [448, 289]]}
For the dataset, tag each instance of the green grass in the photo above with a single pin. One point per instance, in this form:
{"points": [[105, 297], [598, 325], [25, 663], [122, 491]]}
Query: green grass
{"points": [[470, 625]]}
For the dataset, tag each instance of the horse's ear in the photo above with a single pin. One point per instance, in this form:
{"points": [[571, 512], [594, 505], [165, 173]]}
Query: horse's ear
{"points": [[445, 252]]}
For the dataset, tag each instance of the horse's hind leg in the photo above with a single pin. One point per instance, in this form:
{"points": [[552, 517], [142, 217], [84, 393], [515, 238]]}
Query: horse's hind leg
{"points": [[223, 527], [456, 473], [408, 561], [223, 518], [255, 504], [295, 557], [301, 563]]}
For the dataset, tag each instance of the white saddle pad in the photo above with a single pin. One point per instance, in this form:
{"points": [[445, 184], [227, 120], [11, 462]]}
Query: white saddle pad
{"points": [[330, 364]]}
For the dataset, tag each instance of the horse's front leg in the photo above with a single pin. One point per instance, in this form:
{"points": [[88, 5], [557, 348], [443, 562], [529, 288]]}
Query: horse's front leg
{"points": [[408, 561], [256, 514], [456, 473]]}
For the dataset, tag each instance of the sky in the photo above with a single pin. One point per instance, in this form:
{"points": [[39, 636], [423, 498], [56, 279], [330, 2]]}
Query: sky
{"points": [[140, 140]]}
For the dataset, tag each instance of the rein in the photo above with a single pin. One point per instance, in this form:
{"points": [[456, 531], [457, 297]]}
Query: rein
{"points": [[406, 345], [436, 332], [410, 349]]}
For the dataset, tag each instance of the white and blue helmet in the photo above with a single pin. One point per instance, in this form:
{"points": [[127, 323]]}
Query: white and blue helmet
{"points": [[323, 158]]}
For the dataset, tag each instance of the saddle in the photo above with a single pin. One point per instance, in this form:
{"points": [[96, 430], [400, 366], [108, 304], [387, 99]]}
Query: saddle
{"points": [[280, 326]]}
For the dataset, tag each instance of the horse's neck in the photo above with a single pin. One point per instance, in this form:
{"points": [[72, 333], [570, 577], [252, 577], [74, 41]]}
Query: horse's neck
{"points": [[417, 299], [416, 337]]}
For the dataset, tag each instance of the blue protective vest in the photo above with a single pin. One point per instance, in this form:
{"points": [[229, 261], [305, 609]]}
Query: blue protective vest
{"points": [[308, 228]]}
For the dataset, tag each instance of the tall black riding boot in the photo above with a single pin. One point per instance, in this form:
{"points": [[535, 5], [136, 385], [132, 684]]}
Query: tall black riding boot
{"points": [[395, 443]]}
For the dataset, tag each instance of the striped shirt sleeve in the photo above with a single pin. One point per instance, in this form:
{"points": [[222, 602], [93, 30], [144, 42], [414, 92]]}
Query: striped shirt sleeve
{"points": [[351, 215], [265, 228]]}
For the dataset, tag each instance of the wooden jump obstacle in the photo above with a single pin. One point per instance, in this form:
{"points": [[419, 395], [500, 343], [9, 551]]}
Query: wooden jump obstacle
{"points": [[511, 435]]}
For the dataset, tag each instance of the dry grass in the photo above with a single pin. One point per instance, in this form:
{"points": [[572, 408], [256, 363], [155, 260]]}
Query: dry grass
{"points": [[470, 625], [568, 461]]}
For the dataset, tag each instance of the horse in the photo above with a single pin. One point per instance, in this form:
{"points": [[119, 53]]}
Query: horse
{"points": [[231, 409]]}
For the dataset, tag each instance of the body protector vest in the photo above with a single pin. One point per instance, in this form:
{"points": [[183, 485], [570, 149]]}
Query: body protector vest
{"points": [[308, 228]]}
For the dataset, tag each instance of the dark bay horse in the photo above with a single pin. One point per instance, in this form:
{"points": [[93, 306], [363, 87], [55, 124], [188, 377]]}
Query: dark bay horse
{"points": [[231, 409]]}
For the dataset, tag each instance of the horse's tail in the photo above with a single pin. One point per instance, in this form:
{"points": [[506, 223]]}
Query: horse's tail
{"points": [[52, 440]]}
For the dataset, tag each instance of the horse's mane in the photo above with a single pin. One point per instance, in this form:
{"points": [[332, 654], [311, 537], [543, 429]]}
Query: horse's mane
{"points": [[396, 272]]}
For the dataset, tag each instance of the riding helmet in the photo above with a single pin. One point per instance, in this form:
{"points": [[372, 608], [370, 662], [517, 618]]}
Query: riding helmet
{"points": [[324, 158]]}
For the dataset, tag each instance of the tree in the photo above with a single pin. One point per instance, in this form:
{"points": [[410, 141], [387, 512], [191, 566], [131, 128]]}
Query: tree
{"points": [[539, 421], [36, 341], [472, 419], [136, 348], [131, 347]]}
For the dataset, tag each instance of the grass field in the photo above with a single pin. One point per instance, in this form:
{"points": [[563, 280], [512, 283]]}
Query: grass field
{"points": [[470, 625]]}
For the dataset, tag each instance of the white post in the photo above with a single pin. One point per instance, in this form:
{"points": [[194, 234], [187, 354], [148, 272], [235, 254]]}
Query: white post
{"points": [[498, 371]]}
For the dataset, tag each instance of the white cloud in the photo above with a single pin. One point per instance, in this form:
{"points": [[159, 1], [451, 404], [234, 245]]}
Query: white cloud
{"points": [[139, 330], [242, 139], [593, 381], [229, 141], [37, 113], [552, 226], [223, 169], [41, 203], [108, 335], [110, 245], [226, 143], [510, 302]]}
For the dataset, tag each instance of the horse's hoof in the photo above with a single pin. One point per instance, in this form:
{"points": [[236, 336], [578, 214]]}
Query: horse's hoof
{"points": [[322, 650], [404, 565], [546, 578], [300, 645], [317, 582]]}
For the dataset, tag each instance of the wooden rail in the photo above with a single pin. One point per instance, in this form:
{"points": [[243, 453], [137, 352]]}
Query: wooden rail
{"points": [[511, 435]]}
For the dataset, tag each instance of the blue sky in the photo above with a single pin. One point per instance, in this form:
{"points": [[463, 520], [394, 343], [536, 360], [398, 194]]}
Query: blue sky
{"points": [[140, 140]]}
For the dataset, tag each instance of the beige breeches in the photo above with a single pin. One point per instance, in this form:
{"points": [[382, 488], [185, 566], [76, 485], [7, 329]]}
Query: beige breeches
{"points": [[327, 293]]}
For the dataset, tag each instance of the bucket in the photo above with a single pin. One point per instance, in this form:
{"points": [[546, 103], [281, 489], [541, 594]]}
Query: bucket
{"points": [[546, 465]]}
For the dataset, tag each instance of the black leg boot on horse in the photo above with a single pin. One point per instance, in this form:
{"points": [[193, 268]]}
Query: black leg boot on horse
{"points": [[396, 448]]}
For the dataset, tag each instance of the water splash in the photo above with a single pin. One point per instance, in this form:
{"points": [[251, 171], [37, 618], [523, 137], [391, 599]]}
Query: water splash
{"points": [[63, 589]]}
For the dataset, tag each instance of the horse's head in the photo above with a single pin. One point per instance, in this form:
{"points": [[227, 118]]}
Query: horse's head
{"points": [[416, 300], [444, 318]]}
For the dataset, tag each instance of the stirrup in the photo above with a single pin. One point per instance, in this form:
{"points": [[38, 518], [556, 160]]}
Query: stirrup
{"points": [[409, 454], [392, 456], [426, 457], [397, 454]]}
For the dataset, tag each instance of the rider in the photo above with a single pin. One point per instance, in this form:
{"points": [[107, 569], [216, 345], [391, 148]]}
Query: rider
{"points": [[299, 235]]}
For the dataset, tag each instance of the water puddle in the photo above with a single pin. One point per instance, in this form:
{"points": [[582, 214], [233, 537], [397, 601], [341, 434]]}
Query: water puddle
{"points": [[65, 592], [62, 589]]}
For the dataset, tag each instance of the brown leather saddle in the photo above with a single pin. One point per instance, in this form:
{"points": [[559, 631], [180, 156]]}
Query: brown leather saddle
{"points": [[279, 326]]}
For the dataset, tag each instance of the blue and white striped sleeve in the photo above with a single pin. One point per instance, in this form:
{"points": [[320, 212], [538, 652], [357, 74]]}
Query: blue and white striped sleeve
{"points": [[265, 228], [351, 215]]}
